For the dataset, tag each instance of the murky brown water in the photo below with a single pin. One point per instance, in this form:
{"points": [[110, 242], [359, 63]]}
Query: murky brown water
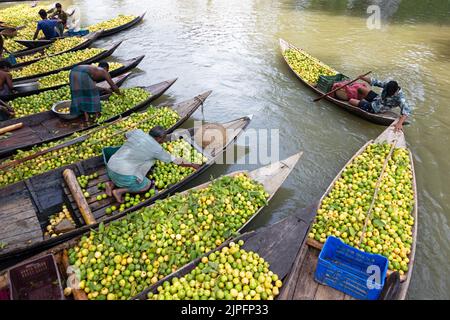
{"points": [[231, 47]]}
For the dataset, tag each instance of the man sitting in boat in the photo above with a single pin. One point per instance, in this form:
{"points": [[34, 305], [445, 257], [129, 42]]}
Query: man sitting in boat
{"points": [[128, 167], [6, 83], [83, 90], [47, 26], [391, 97], [58, 14], [73, 20]]}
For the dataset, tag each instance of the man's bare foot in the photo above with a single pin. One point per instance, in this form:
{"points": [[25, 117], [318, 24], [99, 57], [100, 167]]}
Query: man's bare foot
{"points": [[109, 188], [117, 196]]}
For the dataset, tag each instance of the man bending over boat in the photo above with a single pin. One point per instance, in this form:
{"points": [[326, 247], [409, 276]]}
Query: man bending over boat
{"points": [[391, 97], [128, 167], [83, 90]]}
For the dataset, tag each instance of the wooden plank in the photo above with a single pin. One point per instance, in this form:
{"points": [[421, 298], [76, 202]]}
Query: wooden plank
{"points": [[19, 138], [15, 206], [22, 240], [306, 287], [288, 288], [17, 218], [328, 293]]}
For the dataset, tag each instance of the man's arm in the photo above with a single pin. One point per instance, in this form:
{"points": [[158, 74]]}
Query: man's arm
{"points": [[405, 113], [166, 157], [377, 83], [37, 32], [111, 83], [183, 163]]}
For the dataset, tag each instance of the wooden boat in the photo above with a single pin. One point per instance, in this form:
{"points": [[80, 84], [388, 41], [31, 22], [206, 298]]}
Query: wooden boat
{"points": [[109, 50], [385, 118], [300, 283], [33, 44], [47, 126], [88, 40], [102, 86], [109, 32], [55, 185], [278, 244], [41, 43], [127, 66], [271, 176]]}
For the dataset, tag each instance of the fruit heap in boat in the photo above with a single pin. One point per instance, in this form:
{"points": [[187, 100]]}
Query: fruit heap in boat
{"points": [[44, 101], [308, 67], [111, 135], [121, 259], [163, 175], [62, 77], [231, 273], [56, 62], [343, 212], [56, 47], [112, 23]]}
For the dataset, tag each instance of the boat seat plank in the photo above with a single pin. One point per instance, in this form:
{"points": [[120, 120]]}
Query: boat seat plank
{"points": [[21, 226], [18, 214], [18, 226], [20, 137], [22, 240], [56, 127]]}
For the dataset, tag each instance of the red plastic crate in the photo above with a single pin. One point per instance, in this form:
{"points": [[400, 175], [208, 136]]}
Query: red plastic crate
{"points": [[36, 280]]}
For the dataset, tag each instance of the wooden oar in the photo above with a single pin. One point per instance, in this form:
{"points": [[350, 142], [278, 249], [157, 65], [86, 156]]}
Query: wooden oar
{"points": [[11, 128], [343, 86]]}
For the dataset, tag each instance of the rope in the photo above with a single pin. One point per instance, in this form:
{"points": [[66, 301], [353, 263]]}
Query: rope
{"points": [[375, 195]]}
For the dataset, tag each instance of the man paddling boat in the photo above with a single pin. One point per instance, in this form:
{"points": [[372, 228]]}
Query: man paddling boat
{"points": [[128, 167], [392, 96], [83, 89]]}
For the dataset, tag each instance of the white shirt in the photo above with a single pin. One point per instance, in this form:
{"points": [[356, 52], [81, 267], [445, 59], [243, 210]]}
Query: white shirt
{"points": [[138, 155]]}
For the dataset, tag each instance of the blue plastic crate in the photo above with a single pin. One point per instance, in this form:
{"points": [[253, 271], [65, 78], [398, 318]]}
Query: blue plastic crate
{"points": [[345, 268]]}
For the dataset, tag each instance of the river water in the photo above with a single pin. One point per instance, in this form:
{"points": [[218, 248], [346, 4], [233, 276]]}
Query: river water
{"points": [[231, 47]]}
